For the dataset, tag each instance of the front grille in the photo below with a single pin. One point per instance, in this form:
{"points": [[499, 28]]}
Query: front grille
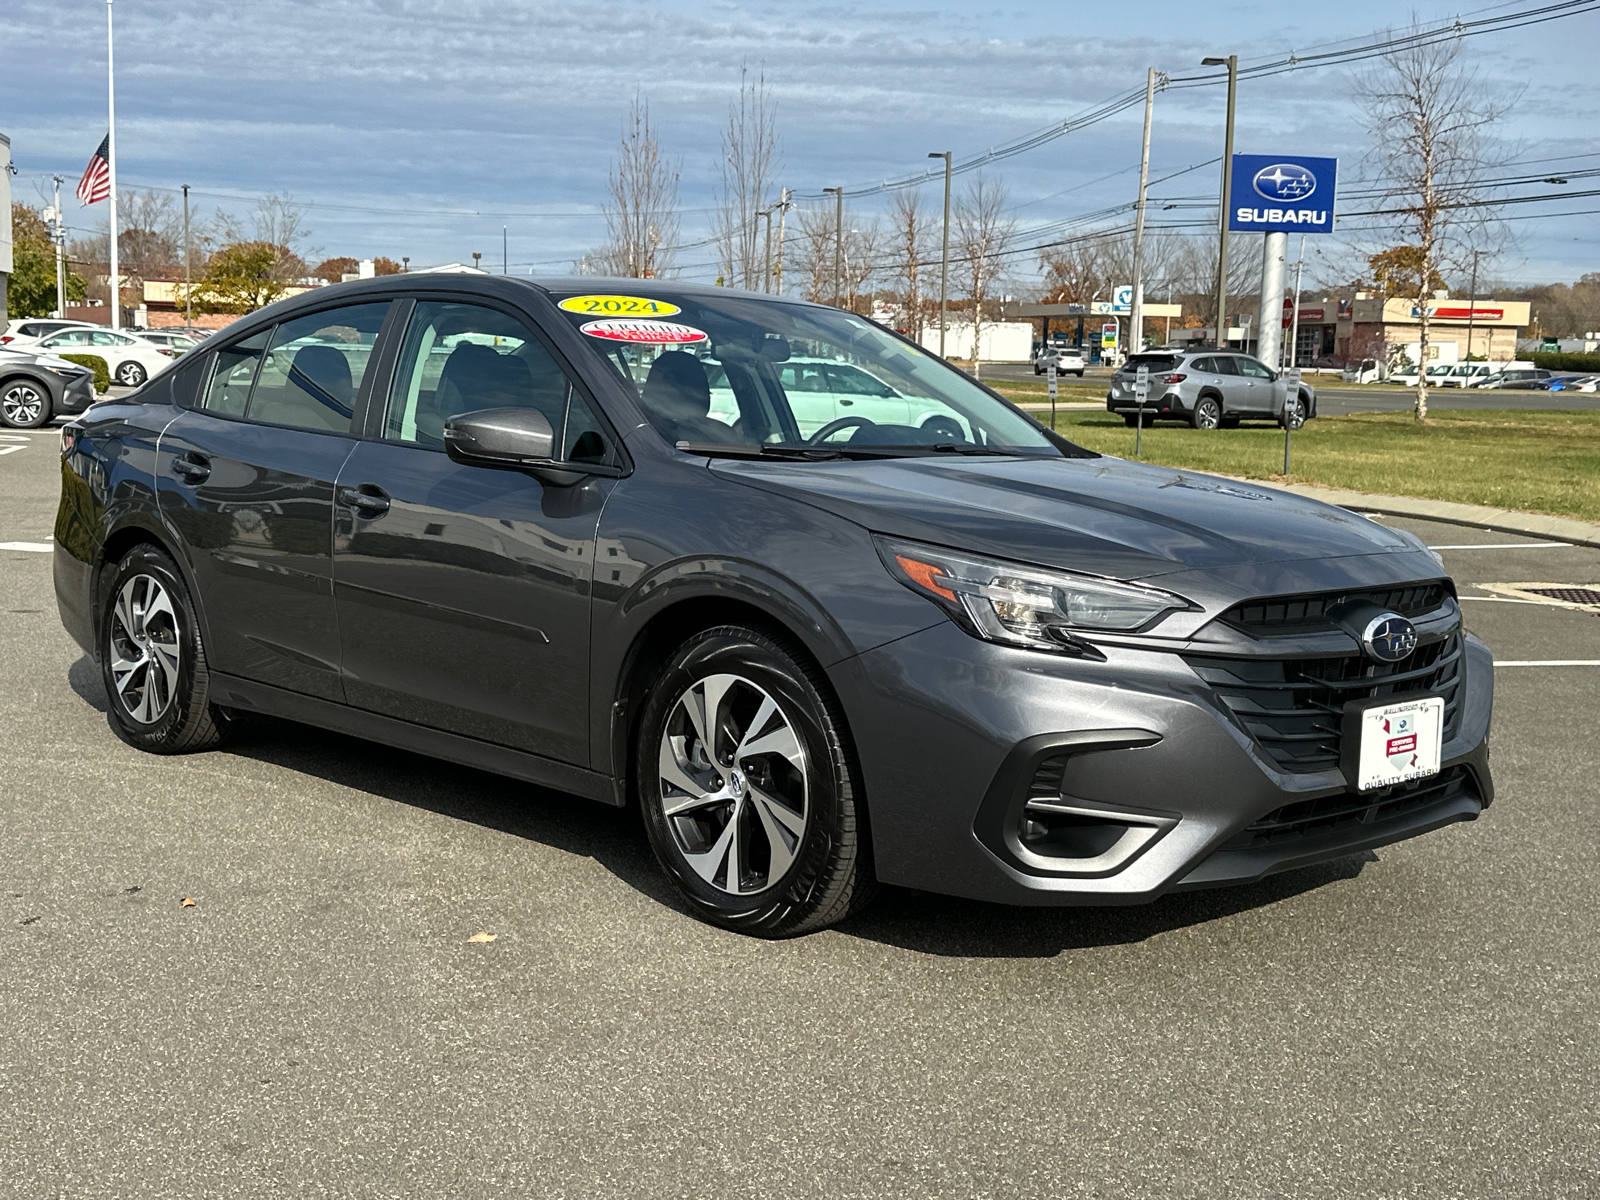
{"points": [[1294, 708], [1349, 810], [1282, 613]]}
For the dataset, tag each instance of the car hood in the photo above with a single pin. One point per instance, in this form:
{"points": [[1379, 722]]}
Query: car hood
{"points": [[1106, 516]]}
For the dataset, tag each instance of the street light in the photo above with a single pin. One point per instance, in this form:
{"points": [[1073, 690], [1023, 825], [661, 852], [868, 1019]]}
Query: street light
{"points": [[1232, 63], [944, 255], [838, 246]]}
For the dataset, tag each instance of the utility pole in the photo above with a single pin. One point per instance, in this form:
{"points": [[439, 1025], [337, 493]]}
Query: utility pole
{"points": [[783, 213], [58, 235], [838, 246], [188, 318], [766, 251], [1472, 304], [1136, 316], [1232, 63], [944, 254], [111, 169]]}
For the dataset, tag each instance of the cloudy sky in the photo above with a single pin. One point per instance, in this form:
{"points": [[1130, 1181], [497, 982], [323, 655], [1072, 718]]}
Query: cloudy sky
{"points": [[421, 127]]}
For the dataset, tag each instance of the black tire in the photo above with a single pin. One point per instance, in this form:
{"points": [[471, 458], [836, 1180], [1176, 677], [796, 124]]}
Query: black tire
{"points": [[1294, 413], [1131, 420], [131, 374], [1231, 422], [24, 404], [1038, 370], [1079, 374], [830, 872], [1207, 413], [187, 721]]}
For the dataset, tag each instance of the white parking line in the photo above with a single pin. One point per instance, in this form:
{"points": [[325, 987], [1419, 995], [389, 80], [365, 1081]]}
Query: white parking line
{"points": [[1509, 546], [1551, 662], [11, 449], [33, 547]]}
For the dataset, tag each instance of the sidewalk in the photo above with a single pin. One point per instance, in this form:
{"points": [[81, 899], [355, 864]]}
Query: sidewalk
{"points": [[1502, 520]]}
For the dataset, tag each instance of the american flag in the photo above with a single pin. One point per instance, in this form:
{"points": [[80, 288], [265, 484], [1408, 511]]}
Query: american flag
{"points": [[96, 182]]}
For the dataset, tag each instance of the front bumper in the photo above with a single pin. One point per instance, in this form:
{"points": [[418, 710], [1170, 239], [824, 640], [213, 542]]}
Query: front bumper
{"points": [[77, 394], [954, 734]]}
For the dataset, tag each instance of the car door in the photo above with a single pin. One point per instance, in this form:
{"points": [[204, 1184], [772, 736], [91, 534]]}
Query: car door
{"points": [[245, 478], [857, 393], [810, 395], [1235, 387], [462, 592], [1265, 391]]}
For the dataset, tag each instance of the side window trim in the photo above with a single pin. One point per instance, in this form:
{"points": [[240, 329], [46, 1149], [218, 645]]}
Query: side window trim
{"points": [[372, 401]]}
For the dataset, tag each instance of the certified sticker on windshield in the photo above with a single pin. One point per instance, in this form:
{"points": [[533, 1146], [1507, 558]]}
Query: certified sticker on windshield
{"points": [[619, 306], [656, 333]]}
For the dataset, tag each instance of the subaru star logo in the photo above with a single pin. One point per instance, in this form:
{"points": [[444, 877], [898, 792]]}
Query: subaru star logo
{"points": [[1284, 181], [1389, 638]]}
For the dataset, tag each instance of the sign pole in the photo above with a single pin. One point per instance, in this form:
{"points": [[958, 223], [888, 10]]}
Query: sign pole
{"points": [[58, 235], [111, 168], [1050, 386], [1141, 390]]}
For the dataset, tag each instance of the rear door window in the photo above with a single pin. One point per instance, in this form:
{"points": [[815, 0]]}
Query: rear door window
{"points": [[314, 366], [1223, 364]]}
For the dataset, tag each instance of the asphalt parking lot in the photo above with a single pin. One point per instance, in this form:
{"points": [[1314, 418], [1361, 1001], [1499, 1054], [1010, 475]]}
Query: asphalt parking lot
{"points": [[1414, 1022]]}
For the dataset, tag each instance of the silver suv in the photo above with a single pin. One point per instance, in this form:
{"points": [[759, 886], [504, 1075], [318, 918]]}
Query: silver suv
{"points": [[1209, 389]]}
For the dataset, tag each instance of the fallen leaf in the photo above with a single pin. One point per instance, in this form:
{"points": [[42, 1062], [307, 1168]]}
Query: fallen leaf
{"points": [[187, 902], [482, 937]]}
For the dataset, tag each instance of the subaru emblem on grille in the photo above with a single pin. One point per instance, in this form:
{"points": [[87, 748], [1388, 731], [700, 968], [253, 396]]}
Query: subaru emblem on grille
{"points": [[1389, 638]]}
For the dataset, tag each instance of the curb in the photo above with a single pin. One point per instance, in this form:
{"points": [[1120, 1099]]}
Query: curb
{"points": [[1500, 520]]}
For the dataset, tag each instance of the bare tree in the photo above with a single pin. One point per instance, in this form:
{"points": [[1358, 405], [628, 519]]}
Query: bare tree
{"points": [[749, 169], [910, 242], [642, 215], [813, 247], [982, 231], [278, 222], [860, 261], [1429, 117]]}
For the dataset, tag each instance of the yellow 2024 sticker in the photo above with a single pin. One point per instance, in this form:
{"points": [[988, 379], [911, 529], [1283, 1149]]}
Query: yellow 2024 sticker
{"points": [[619, 306]]}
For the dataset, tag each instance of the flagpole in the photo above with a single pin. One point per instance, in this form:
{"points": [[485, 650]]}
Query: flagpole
{"points": [[111, 165]]}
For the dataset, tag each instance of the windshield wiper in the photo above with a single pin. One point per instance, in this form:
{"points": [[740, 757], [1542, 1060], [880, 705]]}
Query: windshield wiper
{"points": [[969, 448]]}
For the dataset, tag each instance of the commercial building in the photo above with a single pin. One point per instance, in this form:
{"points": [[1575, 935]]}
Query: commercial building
{"points": [[1375, 323]]}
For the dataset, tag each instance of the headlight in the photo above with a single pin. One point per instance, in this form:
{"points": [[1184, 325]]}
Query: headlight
{"points": [[1021, 605]]}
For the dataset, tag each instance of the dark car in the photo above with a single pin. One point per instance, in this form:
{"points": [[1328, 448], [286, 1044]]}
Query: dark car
{"points": [[37, 387], [496, 521]]}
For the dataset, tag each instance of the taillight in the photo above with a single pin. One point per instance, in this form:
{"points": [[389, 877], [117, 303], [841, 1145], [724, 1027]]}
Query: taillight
{"points": [[164, 350], [1176, 377], [4, 338]]}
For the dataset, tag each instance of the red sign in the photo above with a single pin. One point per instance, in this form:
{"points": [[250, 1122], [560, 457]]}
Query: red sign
{"points": [[1443, 312], [1402, 745], [656, 333]]}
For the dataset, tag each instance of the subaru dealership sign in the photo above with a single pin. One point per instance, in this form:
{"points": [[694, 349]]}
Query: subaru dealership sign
{"points": [[1282, 194]]}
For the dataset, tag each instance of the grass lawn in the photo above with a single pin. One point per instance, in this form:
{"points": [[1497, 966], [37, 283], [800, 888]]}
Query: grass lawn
{"points": [[1543, 462], [1068, 387]]}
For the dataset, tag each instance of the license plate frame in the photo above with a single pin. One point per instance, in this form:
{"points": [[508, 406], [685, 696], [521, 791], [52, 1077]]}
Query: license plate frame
{"points": [[1392, 740]]}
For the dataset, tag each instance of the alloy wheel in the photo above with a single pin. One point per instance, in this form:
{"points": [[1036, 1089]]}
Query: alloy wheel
{"points": [[22, 405], [1207, 415], [130, 374], [1294, 413], [733, 784], [145, 653]]}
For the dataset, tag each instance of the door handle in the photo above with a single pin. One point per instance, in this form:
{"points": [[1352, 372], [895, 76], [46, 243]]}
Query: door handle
{"points": [[846, 403], [369, 500], [191, 467]]}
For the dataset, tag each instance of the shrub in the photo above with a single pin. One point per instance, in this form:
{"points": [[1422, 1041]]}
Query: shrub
{"points": [[102, 373], [1567, 362]]}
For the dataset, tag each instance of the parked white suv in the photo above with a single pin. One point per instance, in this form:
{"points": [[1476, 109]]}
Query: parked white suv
{"points": [[1068, 360]]}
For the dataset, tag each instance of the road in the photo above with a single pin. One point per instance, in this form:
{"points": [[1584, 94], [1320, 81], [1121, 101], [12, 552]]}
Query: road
{"points": [[1336, 399], [1414, 1022]]}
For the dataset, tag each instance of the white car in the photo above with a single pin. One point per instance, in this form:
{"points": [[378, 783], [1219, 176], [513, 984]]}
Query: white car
{"points": [[171, 339], [33, 329], [131, 360], [831, 392], [1068, 360], [1436, 375]]}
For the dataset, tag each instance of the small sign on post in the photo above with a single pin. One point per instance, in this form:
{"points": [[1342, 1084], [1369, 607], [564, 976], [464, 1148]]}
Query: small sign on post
{"points": [[1141, 392], [1050, 387], [1291, 410]]}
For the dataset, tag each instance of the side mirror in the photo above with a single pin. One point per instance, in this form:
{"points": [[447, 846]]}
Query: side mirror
{"points": [[514, 438]]}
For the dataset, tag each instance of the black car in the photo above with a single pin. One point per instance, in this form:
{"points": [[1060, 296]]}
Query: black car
{"points": [[571, 531], [36, 387]]}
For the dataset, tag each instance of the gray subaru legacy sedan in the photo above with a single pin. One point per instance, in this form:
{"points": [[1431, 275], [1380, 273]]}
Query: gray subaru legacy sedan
{"points": [[625, 539]]}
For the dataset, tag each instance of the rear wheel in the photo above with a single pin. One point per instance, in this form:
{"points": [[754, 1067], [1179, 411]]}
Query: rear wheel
{"points": [[23, 405], [749, 787], [131, 374], [1207, 413], [152, 660]]}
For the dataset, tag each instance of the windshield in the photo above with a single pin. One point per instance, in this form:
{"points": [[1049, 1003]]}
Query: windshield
{"points": [[734, 370]]}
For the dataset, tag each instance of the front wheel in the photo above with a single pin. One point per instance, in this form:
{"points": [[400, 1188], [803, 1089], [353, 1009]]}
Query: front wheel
{"points": [[749, 787], [131, 374], [152, 659], [1294, 413], [1207, 413], [24, 405]]}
